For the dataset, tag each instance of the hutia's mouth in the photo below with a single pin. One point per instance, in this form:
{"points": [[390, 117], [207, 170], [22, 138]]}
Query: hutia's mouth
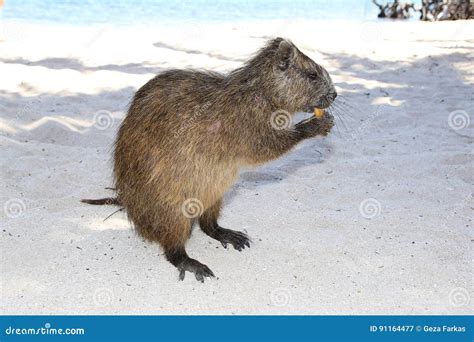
{"points": [[312, 109]]}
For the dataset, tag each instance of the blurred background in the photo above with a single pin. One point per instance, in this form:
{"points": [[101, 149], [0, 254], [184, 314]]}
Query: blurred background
{"points": [[156, 11]]}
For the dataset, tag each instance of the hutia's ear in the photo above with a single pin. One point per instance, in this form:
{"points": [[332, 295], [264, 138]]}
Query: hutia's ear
{"points": [[284, 55]]}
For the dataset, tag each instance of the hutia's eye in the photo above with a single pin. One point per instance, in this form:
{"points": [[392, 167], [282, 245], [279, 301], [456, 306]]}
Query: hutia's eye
{"points": [[313, 76]]}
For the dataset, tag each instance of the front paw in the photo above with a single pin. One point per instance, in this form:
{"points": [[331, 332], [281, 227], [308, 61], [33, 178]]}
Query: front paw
{"points": [[326, 124], [316, 126]]}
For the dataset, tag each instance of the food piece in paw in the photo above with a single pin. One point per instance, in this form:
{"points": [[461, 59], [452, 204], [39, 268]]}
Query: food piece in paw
{"points": [[318, 113]]}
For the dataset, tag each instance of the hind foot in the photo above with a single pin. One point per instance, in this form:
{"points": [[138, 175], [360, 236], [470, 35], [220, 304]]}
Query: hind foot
{"points": [[179, 258], [200, 271], [237, 239], [209, 225]]}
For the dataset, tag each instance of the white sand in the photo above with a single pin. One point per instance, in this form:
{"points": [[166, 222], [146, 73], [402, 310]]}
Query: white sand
{"points": [[313, 252]]}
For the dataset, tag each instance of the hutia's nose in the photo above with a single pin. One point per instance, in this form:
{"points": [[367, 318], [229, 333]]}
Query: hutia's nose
{"points": [[333, 95]]}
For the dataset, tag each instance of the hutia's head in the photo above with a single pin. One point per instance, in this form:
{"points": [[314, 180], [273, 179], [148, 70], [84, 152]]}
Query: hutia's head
{"points": [[299, 82]]}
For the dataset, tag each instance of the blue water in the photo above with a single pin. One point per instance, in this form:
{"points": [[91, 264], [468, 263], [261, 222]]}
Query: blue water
{"points": [[120, 12]]}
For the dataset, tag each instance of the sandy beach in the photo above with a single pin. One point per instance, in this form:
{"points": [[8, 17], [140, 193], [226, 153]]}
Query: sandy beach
{"points": [[374, 219]]}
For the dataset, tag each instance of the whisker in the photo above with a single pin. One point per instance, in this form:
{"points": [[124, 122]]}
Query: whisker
{"points": [[332, 112], [343, 111], [346, 109], [343, 100], [345, 105], [116, 211], [347, 126]]}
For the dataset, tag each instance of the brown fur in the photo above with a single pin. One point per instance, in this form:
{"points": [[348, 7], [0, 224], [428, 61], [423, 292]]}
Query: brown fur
{"points": [[188, 132]]}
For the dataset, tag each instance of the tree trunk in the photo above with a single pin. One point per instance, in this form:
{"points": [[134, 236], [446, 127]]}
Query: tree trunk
{"points": [[430, 10]]}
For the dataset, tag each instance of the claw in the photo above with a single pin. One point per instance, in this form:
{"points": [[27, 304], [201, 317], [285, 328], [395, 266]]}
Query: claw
{"points": [[200, 271], [226, 236]]}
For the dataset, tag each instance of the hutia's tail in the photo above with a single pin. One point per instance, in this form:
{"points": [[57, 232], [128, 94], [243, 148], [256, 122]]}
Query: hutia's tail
{"points": [[102, 201]]}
